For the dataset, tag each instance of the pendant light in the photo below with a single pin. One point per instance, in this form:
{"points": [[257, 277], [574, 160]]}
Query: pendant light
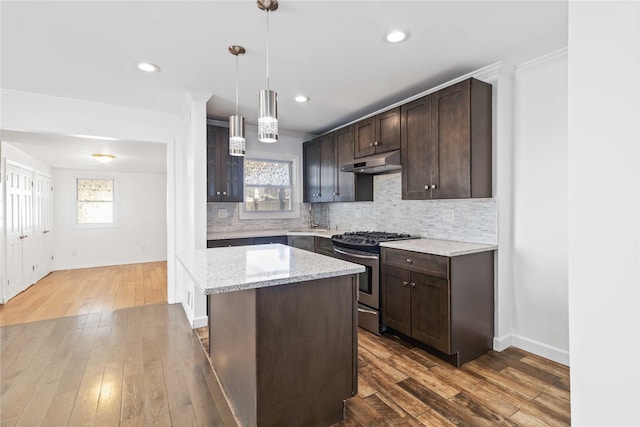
{"points": [[236, 122], [268, 99]]}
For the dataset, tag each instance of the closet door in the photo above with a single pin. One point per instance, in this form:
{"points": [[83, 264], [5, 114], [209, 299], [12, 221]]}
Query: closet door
{"points": [[42, 239], [19, 214]]}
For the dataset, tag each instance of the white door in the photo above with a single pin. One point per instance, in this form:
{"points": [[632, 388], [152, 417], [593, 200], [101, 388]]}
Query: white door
{"points": [[42, 241], [19, 208]]}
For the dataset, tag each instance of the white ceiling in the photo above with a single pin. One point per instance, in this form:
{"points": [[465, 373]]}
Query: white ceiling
{"points": [[332, 51]]}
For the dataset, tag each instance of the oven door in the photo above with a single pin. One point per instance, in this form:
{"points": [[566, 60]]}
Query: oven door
{"points": [[369, 281]]}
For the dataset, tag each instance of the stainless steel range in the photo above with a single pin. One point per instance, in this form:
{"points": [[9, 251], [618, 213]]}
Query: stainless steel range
{"points": [[363, 247]]}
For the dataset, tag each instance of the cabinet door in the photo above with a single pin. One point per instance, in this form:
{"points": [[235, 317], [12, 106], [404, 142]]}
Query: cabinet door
{"points": [[213, 174], [451, 118], [327, 169], [345, 181], [387, 131], [225, 173], [311, 168], [416, 149], [233, 179], [302, 242], [364, 136], [396, 299], [430, 309]]}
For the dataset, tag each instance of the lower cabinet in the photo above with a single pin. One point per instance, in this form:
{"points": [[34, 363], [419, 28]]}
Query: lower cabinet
{"points": [[443, 303], [302, 242], [245, 241]]}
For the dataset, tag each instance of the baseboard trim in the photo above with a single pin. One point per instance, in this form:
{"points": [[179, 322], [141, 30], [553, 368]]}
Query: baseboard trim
{"points": [[532, 346], [502, 343], [199, 322]]}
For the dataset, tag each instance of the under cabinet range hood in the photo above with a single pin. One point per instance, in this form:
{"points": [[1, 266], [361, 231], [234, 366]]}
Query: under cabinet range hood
{"points": [[375, 164]]}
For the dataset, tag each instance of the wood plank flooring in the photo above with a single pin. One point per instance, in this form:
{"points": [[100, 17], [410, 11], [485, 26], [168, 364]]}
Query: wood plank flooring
{"points": [[399, 384], [135, 366], [88, 290]]}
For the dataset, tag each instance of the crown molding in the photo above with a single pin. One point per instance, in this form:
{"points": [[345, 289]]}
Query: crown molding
{"points": [[553, 56]]}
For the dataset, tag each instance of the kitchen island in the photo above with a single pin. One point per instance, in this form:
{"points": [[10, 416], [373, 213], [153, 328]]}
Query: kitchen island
{"points": [[282, 331]]}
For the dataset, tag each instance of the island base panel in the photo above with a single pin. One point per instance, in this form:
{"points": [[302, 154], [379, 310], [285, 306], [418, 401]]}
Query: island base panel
{"points": [[301, 351]]}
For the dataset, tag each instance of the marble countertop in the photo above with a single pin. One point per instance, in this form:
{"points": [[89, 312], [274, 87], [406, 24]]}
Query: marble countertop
{"points": [[219, 270], [320, 232], [439, 247]]}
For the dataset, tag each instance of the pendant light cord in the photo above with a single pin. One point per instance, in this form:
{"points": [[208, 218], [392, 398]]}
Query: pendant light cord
{"points": [[267, 49], [237, 85]]}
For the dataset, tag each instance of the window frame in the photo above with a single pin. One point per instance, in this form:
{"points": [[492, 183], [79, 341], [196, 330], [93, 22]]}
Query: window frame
{"points": [[114, 223], [295, 187]]}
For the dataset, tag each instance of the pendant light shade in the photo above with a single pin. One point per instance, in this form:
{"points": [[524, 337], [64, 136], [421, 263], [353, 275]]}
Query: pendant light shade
{"points": [[236, 122], [236, 136], [267, 98], [268, 120]]}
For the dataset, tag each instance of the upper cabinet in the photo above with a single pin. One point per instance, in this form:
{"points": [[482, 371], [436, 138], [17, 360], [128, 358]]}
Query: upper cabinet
{"points": [[446, 143], [377, 134], [225, 173], [323, 181]]}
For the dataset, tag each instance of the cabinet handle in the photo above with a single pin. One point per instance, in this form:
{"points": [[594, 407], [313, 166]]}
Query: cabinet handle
{"points": [[409, 260], [405, 283], [217, 193], [434, 186], [335, 193], [426, 187], [371, 144], [22, 237], [376, 143], [413, 284], [45, 231], [224, 193]]}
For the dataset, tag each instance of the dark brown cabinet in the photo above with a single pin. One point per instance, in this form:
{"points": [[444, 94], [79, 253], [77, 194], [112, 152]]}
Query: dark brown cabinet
{"points": [[377, 134], [225, 173], [319, 170], [445, 303], [323, 181], [446, 143]]}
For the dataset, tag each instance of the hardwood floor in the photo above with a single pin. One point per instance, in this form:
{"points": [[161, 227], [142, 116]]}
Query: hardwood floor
{"points": [[135, 366], [88, 290], [403, 385], [144, 365]]}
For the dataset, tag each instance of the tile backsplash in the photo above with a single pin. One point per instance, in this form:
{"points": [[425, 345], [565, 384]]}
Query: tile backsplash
{"points": [[464, 220]]}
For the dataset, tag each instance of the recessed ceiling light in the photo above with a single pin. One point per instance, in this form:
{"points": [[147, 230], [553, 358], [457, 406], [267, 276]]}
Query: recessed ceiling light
{"points": [[396, 36], [302, 98], [148, 67]]}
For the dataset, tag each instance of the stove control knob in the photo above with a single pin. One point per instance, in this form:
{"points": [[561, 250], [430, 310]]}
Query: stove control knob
{"points": [[373, 242], [367, 241]]}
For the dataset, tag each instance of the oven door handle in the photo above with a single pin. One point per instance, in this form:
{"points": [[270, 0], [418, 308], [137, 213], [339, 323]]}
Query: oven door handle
{"points": [[354, 255]]}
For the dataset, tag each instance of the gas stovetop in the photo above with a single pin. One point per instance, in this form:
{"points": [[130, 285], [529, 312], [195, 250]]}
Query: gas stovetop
{"points": [[367, 240]]}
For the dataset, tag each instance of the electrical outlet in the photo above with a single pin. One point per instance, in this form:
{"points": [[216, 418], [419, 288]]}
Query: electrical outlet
{"points": [[448, 215], [222, 213]]}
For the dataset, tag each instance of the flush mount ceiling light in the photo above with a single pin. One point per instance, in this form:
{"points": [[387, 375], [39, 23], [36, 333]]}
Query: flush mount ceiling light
{"points": [[103, 158], [236, 122], [148, 67], [267, 99], [302, 98], [396, 36]]}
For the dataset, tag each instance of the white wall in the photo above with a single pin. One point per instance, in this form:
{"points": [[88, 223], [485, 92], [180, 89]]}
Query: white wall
{"points": [[604, 200], [48, 114], [140, 234], [540, 291]]}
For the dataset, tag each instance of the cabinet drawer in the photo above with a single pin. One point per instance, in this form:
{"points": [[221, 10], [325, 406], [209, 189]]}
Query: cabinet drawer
{"points": [[433, 265], [324, 246]]}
